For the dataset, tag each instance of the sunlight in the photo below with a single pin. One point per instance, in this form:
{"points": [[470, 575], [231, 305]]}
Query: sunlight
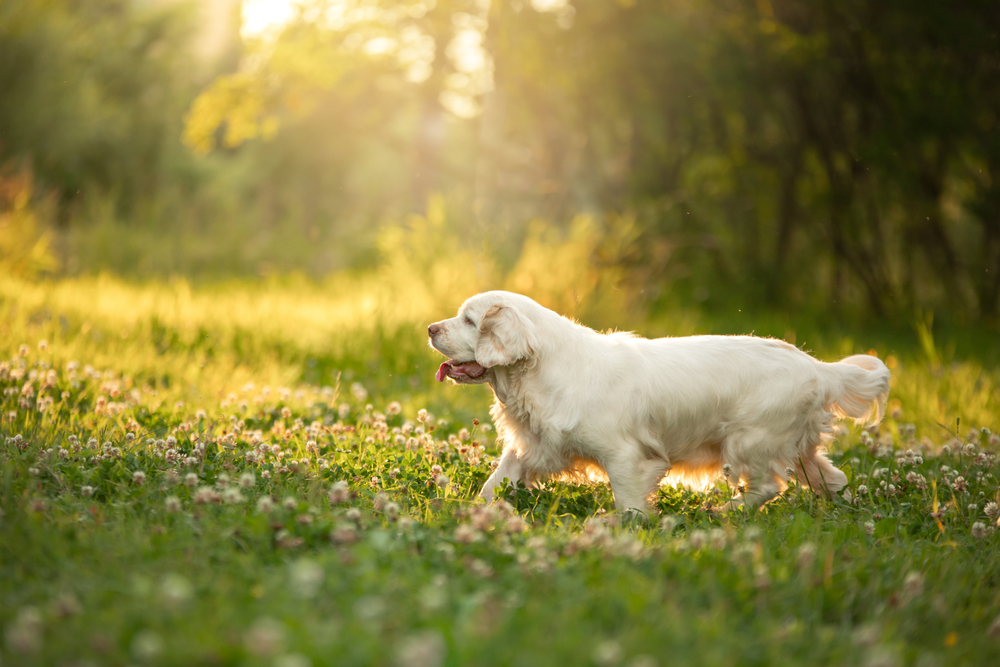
{"points": [[261, 17]]}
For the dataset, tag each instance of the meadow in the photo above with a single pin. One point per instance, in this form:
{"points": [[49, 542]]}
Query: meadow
{"points": [[267, 474]]}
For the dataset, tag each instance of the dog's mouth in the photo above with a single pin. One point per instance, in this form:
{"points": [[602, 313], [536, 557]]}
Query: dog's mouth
{"points": [[459, 370]]}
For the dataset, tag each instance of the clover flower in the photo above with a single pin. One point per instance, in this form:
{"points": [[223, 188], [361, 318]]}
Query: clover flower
{"points": [[979, 529], [339, 492], [172, 504], [423, 649], [265, 504], [139, 477]]}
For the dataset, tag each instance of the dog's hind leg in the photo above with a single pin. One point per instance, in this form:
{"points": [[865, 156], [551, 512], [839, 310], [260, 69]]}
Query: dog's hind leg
{"points": [[820, 474], [632, 482]]}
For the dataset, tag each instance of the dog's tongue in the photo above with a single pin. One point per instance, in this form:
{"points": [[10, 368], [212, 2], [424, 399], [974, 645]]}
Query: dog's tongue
{"points": [[455, 370], [442, 371]]}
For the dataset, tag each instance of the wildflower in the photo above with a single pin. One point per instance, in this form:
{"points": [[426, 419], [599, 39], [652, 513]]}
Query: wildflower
{"points": [[424, 649], [339, 493], [394, 408], [306, 577], [481, 568], [960, 484], [344, 533], [862, 490], [668, 523], [172, 504], [175, 590], [248, 480], [265, 637], [24, 635], [33, 472], [515, 524], [232, 496], [467, 534], [265, 505], [290, 503], [697, 539], [913, 584], [442, 481], [190, 479], [138, 477], [87, 491], [969, 449], [870, 527], [23, 350], [354, 514], [607, 653], [391, 510], [806, 555], [992, 510], [973, 508], [979, 529], [422, 415], [205, 495], [727, 470]]}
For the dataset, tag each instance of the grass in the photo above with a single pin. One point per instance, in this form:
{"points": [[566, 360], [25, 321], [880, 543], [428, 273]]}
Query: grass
{"points": [[148, 516]]}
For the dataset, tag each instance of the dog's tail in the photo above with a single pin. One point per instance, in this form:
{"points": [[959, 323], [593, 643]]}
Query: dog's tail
{"points": [[856, 388]]}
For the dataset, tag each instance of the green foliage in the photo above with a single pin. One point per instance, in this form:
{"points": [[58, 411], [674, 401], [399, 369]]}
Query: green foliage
{"points": [[244, 475]]}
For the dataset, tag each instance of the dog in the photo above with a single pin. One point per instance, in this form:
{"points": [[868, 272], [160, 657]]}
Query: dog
{"points": [[570, 400]]}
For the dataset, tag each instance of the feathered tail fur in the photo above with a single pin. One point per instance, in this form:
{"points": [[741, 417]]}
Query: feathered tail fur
{"points": [[857, 387]]}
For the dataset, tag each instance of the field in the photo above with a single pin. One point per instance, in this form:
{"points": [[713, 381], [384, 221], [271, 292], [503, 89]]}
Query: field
{"points": [[267, 474]]}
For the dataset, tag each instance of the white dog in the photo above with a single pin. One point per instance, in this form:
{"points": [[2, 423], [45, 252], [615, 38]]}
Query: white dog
{"points": [[569, 398]]}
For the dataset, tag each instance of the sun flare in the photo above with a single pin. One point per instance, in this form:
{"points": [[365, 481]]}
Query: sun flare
{"points": [[262, 16]]}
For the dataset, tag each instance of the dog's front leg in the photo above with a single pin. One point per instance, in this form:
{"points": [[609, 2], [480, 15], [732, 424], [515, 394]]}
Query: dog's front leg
{"points": [[509, 468]]}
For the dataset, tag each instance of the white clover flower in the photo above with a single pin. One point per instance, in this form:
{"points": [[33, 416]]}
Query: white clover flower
{"points": [[979, 529], [172, 504], [424, 649], [265, 505], [205, 495], [339, 492], [139, 477], [232, 496]]}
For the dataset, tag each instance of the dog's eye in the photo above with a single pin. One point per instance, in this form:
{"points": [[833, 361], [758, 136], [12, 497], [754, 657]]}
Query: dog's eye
{"points": [[468, 320]]}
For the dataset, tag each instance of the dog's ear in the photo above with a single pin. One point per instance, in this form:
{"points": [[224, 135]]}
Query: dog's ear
{"points": [[505, 336]]}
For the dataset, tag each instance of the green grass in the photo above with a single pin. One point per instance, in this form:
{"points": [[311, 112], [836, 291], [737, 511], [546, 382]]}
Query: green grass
{"points": [[100, 566]]}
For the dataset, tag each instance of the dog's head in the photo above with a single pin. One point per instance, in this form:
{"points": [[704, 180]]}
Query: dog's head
{"points": [[491, 329]]}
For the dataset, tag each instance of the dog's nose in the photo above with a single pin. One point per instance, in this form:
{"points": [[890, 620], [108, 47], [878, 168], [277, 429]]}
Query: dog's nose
{"points": [[433, 329]]}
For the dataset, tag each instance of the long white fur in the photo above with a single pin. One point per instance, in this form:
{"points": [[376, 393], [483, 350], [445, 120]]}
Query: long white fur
{"points": [[648, 411]]}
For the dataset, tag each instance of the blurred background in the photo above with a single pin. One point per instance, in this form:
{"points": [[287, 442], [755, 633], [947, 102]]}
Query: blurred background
{"points": [[833, 157]]}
